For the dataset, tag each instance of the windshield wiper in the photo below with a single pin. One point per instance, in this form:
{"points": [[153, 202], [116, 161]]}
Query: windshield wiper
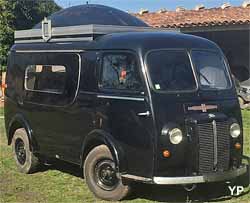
{"points": [[205, 78]]}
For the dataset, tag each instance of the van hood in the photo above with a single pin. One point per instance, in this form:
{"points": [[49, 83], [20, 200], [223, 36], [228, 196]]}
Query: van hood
{"points": [[176, 108]]}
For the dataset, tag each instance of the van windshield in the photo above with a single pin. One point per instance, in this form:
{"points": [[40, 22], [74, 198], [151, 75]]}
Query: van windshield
{"points": [[170, 70], [211, 70]]}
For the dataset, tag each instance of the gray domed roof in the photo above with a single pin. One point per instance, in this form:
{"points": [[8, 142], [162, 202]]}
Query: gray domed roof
{"points": [[93, 14]]}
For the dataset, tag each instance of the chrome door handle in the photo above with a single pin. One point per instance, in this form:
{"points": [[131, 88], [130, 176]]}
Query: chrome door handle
{"points": [[147, 113]]}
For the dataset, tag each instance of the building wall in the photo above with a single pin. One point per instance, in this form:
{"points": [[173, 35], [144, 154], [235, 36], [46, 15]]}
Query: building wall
{"points": [[236, 47]]}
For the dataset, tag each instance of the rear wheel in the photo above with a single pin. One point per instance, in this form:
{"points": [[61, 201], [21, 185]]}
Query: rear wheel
{"points": [[26, 161], [101, 175]]}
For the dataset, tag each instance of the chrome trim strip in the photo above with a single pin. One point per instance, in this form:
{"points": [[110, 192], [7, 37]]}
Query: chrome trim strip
{"points": [[79, 77], [71, 39], [215, 143], [49, 51], [29, 41], [54, 40], [121, 97], [214, 177], [178, 180], [28, 33], [138, 178]]}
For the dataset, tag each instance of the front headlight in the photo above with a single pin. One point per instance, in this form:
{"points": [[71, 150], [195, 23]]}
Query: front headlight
{"points": [[175, 136], [235, 130]]}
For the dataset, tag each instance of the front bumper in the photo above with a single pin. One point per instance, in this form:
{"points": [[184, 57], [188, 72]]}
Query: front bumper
{"points": [[214, 177]]}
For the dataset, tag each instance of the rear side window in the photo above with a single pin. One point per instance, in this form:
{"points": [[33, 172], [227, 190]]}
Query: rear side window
{"points": [[120, 71], [45, 78]]}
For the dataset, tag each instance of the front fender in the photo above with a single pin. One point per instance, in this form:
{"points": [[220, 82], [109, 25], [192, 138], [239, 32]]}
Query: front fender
{"points": [[98, 137]]}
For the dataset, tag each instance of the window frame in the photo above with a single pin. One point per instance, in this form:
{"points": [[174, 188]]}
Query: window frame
{"points": [[115, 90], [42, 91], [172, 91], [224, 62]]}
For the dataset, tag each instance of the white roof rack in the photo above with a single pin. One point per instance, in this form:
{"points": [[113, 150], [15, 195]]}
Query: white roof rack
{"points": [[76, 33]]}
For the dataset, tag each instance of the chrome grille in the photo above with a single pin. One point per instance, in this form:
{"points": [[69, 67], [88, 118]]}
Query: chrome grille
{"points": [[223, 146], [213, 147]]}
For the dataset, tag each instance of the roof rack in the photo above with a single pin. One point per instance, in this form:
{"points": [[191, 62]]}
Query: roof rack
{"points": [[76, 33]]}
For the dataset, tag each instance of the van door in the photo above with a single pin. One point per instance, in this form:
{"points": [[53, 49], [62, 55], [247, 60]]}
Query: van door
{"points": [[51, 82], [123, 110]]}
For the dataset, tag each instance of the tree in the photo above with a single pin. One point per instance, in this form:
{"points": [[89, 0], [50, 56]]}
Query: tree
{"points": [[6, 29], [20, 15], [30, 12]]}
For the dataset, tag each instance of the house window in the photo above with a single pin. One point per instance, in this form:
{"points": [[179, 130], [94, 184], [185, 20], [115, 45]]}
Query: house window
{"points": [[120, 71], [45, 78]]}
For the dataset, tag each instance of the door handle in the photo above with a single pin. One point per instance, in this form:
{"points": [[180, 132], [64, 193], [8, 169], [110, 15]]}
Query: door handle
{"points": [[147, 113]]}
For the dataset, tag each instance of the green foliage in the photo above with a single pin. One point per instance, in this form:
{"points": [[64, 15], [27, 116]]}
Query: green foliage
{"points": [[20, 15], [6, 29], [28, 13]]}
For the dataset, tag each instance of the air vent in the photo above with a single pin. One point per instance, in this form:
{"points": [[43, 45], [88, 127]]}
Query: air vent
{"points": [[246, 4], [143, 11], [180, 8], [199, 7], [225, 5]]}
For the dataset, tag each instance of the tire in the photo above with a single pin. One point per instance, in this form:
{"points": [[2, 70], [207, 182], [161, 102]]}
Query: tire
{"points": [[241, 102], [101, 177], [26, 161]]}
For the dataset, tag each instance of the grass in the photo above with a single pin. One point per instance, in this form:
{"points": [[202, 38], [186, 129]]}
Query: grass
{"points": [[63, 182]]}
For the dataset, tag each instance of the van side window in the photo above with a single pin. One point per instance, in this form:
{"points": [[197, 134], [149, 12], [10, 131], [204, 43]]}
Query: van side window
{"points": [[45, 78], [120, 71]]}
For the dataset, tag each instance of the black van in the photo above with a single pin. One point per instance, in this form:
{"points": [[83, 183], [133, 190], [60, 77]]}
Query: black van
{"points": [[125, 103]]}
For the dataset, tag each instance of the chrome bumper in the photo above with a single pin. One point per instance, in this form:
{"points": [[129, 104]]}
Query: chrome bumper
{"points": [[215, 177]]}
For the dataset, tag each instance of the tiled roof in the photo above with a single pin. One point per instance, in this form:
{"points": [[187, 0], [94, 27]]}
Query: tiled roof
{"points": [[194, 18]]}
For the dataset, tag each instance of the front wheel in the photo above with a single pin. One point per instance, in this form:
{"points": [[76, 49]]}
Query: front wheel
{"points": [[101, 175]]}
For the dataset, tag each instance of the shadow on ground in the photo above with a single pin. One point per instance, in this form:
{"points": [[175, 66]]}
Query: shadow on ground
{"points": [[212, 192], [64, 167]]}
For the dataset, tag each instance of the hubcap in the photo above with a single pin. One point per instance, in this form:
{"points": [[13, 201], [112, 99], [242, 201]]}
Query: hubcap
{"points": [[105, 175], [20, 151]]}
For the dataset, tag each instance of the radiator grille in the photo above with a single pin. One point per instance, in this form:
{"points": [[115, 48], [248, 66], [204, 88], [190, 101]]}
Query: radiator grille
{"points": [[214, 150]]}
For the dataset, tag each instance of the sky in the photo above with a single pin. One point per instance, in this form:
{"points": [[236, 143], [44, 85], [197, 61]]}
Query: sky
{"points": [[151, 5]]}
